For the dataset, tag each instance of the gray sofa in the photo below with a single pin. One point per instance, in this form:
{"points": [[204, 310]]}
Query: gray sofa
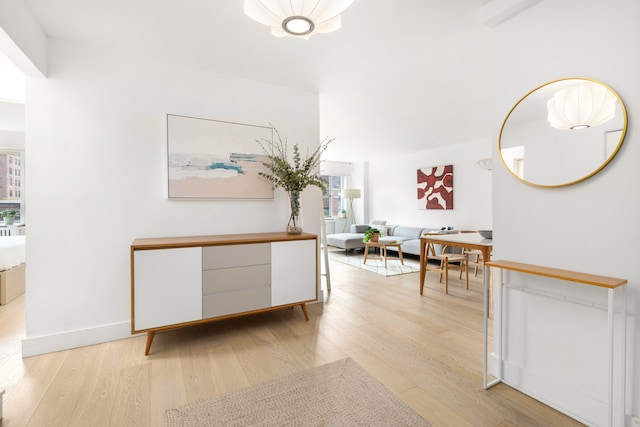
{"points": [[407, 235], [351, 240]]}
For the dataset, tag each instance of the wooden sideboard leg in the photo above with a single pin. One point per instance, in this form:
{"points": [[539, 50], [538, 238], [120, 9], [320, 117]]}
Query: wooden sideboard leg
{"points": [[150, 336], [304, 310]]}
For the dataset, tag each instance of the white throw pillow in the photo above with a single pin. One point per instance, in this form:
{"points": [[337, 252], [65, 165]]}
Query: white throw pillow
{"points": [[380, 225], [384, 230]]}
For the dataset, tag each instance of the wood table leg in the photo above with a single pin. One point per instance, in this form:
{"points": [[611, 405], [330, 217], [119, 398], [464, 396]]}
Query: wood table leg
{"points": [[466, 269], [366, 252], [400, 255], [383, 252], [423, 266], [446, 275], [304, 310], [150, 336]]}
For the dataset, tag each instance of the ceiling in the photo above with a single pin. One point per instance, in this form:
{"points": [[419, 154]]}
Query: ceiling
{"points": [[411, 73]]}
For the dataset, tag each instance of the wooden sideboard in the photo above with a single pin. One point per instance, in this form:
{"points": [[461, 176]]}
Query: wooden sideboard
{"points": [[185, 281]]}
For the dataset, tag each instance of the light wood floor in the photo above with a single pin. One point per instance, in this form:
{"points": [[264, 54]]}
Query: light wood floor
{"points": [[427, 349]]}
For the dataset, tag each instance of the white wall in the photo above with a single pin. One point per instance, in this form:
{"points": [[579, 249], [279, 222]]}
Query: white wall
{"points": [[96, 180], [390, 188], [557, 348], [11, 125]]}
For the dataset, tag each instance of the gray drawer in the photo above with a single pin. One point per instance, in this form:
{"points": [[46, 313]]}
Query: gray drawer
{"points": [[238, 301], [226, 279], [235, 255]]}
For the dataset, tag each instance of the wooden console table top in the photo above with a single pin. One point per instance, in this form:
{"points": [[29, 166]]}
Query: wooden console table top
{"points": [[220, 239], [556, 273]]}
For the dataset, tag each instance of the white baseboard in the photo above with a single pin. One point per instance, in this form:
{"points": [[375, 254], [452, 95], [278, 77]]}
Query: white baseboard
{"points": [[33, 346]]}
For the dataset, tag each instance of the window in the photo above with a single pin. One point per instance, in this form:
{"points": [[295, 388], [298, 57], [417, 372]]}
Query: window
{"points": [[332, 197], [337, 176], [11, 190]]}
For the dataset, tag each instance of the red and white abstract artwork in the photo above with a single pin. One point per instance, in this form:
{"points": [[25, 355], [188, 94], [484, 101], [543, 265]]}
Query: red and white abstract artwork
{"points": [[435, 187]]}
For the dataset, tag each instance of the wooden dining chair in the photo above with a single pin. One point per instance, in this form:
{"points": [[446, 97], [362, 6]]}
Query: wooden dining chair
{"points": [[474, 258], [446, 260]]}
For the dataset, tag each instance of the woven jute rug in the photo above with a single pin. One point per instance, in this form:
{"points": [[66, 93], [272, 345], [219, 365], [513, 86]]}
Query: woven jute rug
{"points": [[337, 394]]}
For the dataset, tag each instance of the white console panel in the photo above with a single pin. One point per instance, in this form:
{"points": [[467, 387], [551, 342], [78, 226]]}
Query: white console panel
{"points": [[293, 266], [168, 287]]}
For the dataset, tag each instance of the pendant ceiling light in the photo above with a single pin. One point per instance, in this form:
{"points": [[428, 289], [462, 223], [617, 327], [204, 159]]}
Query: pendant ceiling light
{"points": [[297, 18], [581, 106]]}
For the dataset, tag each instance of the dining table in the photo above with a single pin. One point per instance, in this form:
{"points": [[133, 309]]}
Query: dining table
{"points": [[462, 240]]}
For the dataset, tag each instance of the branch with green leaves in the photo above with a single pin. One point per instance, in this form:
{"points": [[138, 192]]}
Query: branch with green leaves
{"points": [[292, 177]]}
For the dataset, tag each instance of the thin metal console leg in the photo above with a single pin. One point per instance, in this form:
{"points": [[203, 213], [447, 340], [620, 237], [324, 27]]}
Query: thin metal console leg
{"points": [[610, 357], [497, 318], [623, 356]]}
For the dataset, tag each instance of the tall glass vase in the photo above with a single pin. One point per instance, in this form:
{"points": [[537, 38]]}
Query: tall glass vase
{"points": [[294, 225]]}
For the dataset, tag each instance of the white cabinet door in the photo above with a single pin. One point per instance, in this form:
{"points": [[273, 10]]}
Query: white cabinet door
{"points": [[293, 272], [167, 287]]}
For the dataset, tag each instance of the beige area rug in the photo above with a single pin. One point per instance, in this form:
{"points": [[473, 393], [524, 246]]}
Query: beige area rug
{"points": [[394, 267], [337, 394]]}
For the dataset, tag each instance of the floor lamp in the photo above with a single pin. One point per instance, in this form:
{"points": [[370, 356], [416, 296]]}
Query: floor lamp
{"points": [[350, 194]]}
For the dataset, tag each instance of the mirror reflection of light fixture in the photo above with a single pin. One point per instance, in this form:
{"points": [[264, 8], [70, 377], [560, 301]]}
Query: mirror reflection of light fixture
{"points": [[297, 18], [485, 163], [581, 106], [554, 157], [350, 194]]}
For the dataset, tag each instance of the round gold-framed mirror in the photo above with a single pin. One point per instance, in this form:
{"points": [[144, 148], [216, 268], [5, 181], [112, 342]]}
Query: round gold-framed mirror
{"points": [[562, 132]]}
